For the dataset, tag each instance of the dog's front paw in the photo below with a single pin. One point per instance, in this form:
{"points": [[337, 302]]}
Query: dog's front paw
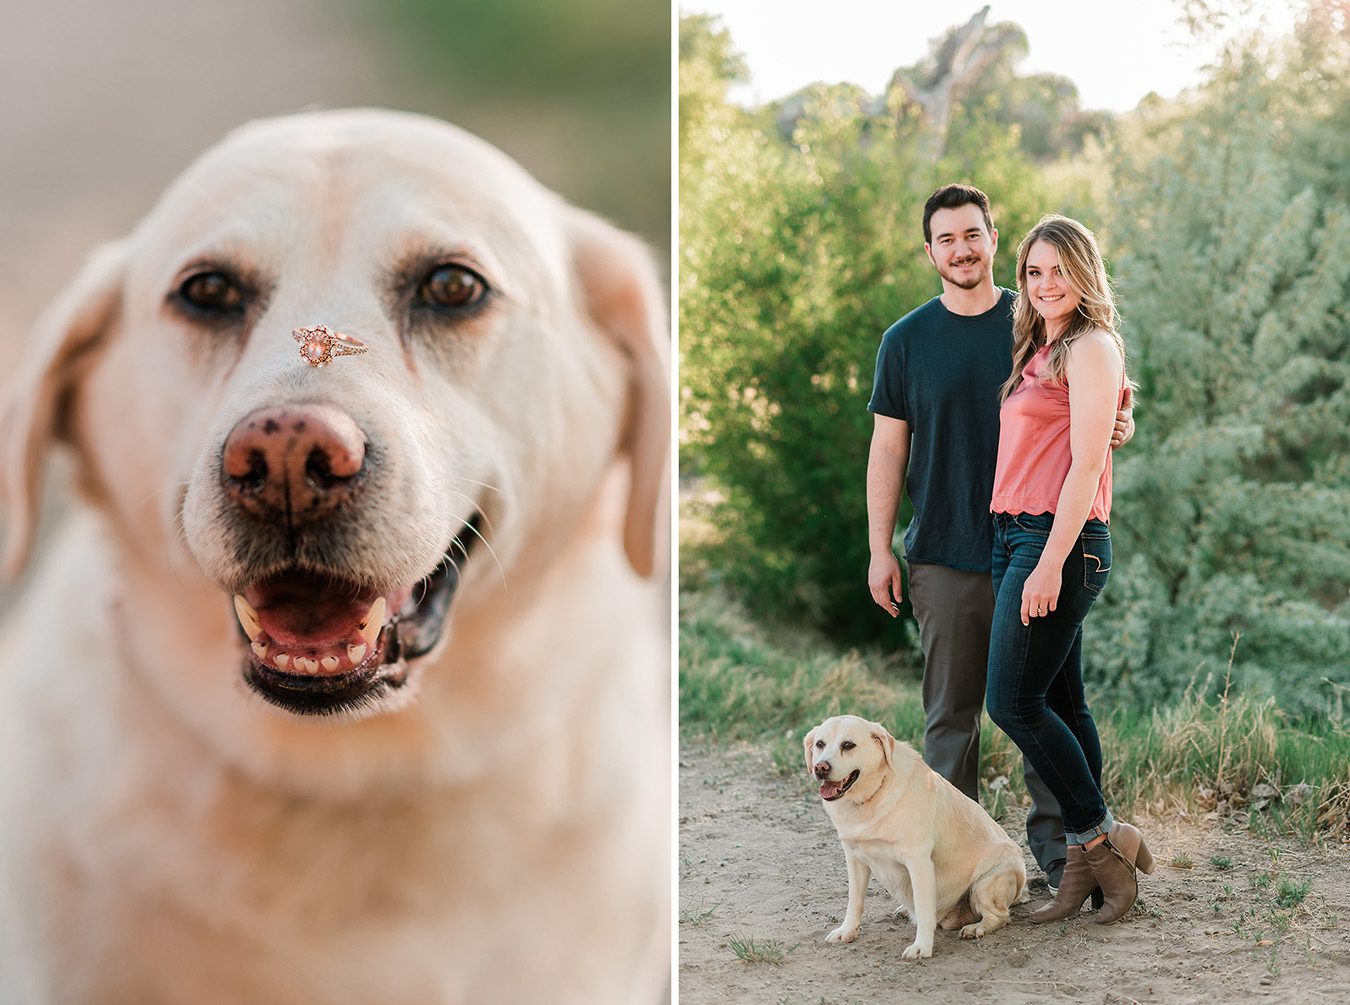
{"points": [[843, 934], [915, 951]]}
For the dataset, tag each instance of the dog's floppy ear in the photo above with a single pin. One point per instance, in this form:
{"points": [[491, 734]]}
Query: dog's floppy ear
{"points": [[810, 739], [624, 298], [34, 403], [885, 741]]}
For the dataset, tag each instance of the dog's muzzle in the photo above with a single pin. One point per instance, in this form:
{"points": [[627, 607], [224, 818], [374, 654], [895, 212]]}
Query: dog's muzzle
{"points": [[321, 640], [321, 645], [829, 791]]}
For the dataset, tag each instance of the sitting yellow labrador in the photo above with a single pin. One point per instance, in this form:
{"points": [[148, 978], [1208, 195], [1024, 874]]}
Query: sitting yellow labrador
{"points": [[938, 853], [348, 681]]}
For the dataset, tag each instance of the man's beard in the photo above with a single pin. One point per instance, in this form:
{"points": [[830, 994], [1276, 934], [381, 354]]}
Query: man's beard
{"points": [[967, 284]]}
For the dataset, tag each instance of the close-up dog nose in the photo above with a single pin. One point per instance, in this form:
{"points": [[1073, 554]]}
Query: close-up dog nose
{"points": [[294, 462], [822, 768]]}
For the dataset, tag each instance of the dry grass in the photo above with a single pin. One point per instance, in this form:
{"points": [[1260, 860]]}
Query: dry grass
{"points": [[1201, 756], [1215, 757]]}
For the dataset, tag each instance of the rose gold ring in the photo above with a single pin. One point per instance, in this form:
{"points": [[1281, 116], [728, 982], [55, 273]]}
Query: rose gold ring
{"points": [[318, 345]]}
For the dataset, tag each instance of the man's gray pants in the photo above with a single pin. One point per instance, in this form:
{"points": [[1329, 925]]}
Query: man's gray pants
{"points": [[954, 610]]}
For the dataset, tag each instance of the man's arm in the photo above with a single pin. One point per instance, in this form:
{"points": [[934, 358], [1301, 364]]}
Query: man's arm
{"points": [[887, 462], [1124, 431]]}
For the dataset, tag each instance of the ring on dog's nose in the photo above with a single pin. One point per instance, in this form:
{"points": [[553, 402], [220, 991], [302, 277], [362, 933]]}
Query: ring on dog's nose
{"points": [[318, 345]]}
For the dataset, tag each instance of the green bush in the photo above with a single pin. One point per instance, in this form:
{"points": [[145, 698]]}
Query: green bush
{"points": [[795, 257], [1232, 506]]}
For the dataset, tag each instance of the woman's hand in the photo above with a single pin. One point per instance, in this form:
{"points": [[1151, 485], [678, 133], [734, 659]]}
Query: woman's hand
{"points": [[1040, 593]]}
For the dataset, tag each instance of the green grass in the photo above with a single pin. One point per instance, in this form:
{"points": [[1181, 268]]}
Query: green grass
{"points": [[740, 681], [765, 951], [1270, 916], [696, 916], [1292, 893]]}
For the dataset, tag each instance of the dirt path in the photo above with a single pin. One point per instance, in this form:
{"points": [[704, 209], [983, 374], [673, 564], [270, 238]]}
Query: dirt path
{"points": [[759, 861]]}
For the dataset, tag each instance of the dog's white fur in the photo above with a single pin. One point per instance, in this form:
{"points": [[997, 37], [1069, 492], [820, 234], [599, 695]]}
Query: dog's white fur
{"points": [[932, 847], [502, 834]]}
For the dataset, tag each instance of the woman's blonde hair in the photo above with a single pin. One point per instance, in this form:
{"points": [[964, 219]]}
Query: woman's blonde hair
{"points": [[1081, 266]]}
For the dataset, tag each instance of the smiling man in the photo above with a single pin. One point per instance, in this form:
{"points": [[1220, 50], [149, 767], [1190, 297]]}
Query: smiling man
{"points": [[935, 410]]}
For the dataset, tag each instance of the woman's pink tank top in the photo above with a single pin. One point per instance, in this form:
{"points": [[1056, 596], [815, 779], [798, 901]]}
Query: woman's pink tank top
{"points": [[1033, 447]]}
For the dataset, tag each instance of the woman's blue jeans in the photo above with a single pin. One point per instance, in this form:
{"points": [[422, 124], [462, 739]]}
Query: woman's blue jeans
{"points": [[1035, 682]]}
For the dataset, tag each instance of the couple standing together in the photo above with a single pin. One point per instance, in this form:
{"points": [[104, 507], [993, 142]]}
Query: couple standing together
{"points": [[968, 438]]}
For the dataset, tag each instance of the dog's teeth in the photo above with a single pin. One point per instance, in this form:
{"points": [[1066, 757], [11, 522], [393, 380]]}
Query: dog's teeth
{"points": [[307, 665], [330, 662], [370, 626], [260, 650], [281, 660], [248, 618], [356, 654], [373, 616]]}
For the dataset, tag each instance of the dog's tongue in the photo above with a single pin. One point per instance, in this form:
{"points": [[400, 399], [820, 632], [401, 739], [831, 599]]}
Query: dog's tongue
{"points": [[829, 790], [305, 624], [295, 610]]}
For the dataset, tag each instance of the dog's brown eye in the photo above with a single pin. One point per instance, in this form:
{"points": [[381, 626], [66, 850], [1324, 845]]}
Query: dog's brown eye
{"points": [[820, 744], [212, 293], [452, 286], [847, 745]]}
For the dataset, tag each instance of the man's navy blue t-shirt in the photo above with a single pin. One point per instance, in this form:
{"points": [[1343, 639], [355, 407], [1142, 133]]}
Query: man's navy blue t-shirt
{"points": [[940, 372]]}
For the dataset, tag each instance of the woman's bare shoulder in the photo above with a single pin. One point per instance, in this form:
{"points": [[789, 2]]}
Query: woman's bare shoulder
{"points": [[1097, 344], [1096, 337], [1095, 351]]}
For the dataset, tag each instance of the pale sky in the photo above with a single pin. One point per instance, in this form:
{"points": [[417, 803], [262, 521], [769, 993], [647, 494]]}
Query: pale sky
{"points": [[1115, 52]]}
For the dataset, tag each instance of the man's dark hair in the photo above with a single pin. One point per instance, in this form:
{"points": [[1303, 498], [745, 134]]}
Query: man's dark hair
{"points": [[950, 197]]}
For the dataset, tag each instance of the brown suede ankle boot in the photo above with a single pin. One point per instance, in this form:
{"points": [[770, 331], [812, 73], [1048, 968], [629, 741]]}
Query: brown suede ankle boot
{"points": [[1075, 886], [1113, 864]]}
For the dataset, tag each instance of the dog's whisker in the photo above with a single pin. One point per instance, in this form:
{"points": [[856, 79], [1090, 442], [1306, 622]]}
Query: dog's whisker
{"points": [[487, 520], [157, 491], [483, 485], [501, 573]]}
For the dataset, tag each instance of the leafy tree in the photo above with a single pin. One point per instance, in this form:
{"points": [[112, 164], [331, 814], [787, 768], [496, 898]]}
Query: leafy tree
{"points": [[974, 66], [1232, 507], [709, 65], [794, 259]]}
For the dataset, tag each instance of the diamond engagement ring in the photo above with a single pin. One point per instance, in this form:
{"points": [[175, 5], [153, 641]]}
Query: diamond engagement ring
{"points": [[318, 345]]}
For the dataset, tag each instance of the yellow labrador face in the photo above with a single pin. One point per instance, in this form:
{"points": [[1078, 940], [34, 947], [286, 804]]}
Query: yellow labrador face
{"points": [[346, 512], [843, 749]]}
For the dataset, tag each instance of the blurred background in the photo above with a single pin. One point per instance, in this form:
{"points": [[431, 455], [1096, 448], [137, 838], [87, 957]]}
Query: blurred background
{"points": [[102, 104]]}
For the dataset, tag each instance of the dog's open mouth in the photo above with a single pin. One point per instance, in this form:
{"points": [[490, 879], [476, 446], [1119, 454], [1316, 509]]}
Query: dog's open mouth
{"points": [[320, 644], [833, 790]]}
